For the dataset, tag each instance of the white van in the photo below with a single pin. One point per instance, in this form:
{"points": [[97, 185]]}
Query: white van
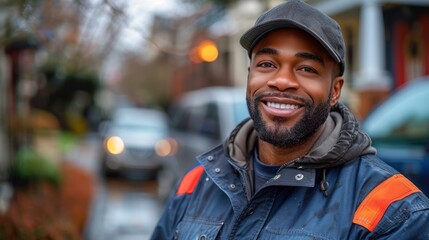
{"points": [[202, 119]]}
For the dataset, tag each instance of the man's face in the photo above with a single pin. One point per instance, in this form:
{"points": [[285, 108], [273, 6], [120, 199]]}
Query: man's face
{"points": [[292, 84]]}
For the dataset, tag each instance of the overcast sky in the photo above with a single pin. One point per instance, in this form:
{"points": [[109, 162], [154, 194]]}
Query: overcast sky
{"points": [[140, 13]]}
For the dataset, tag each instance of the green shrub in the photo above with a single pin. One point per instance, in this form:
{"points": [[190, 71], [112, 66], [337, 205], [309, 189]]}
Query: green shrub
{"points": [[31, 166]]}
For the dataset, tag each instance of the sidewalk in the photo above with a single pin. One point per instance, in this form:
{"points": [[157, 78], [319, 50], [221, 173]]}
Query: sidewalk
{"points": [[85, 153]]}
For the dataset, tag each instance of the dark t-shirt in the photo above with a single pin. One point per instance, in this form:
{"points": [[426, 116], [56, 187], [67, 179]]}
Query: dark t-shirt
{"points": [[263, 172]]}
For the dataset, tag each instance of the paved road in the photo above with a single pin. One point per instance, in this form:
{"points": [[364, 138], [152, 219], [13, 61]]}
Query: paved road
{"points": [[122, 209]]}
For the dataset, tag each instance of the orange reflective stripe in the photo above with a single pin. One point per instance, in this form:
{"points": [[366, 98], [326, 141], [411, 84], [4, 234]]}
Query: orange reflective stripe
{"points": [[190, 180], [373, 207]]}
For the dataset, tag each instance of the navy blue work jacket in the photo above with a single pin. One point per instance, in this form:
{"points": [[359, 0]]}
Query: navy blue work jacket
{"points": [[215, 201]]}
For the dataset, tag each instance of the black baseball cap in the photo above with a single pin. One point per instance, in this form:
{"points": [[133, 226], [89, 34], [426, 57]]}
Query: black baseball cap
{"points": [[298, 14]]}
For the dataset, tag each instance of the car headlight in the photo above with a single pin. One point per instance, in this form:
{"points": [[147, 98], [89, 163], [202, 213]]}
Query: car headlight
{"points": [[166, 147], [114, 145]]}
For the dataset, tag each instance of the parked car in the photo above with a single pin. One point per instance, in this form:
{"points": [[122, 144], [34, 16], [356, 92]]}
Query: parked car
{"points": [[202, 119], [135, 139], [399, 128]]}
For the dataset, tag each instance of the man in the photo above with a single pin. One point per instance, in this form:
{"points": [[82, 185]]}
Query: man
{"points": [[300, 168]]}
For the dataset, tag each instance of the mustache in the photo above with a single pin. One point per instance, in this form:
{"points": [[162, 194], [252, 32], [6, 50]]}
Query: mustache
{"points": [[258, 97]]}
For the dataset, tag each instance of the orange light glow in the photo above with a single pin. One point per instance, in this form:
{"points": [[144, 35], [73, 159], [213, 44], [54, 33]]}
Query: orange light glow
{"points": [[115, 145], [166, 147], [207, 51]]}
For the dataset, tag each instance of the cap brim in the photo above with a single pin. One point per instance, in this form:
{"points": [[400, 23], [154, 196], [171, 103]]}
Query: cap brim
{"points": [[250, 38]]}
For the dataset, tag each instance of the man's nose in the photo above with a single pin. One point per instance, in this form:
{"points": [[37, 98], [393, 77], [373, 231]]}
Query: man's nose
{"points": [[284, 80]]}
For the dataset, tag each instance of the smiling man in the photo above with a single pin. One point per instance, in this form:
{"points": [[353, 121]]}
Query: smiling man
{"points": [[300, 167]]}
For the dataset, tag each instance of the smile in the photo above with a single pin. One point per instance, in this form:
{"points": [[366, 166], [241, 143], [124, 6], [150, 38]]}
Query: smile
{"points": [[282, 106]]}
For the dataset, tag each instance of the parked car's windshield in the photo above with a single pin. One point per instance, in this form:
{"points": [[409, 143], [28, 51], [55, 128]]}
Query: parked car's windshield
{"points": [[140, 121], [405, 115]]}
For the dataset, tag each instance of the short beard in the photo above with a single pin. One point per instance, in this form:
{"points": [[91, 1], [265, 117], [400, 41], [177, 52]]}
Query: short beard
{"points": [[314, 118]]}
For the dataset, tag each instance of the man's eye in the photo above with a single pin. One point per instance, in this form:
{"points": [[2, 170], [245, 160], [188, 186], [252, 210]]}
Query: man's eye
{"points": [[308, 69], [265, 65]]}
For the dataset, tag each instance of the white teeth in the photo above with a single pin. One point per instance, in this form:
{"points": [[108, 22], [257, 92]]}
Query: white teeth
{"points": [[282, 106]]}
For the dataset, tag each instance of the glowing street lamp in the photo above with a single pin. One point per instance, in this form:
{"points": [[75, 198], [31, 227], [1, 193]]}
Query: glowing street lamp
{"points": [[205, 51]]}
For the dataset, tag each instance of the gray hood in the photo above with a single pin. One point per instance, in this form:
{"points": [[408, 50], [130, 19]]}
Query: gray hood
{"points": [[341, 142]]}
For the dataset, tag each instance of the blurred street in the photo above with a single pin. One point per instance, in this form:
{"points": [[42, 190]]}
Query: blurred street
{"points": [[122, 209]]}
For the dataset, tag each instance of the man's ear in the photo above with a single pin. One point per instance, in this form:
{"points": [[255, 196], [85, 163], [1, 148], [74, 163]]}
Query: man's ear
{"points": [[337, 85]]}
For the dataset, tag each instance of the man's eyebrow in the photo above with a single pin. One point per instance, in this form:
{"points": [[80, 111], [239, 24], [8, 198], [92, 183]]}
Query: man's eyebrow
{"points": [[269, 51], [307, 55], [311, 56]]}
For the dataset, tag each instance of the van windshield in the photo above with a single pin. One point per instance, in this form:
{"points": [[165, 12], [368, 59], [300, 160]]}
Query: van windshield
{"points": [[240, 111]]}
